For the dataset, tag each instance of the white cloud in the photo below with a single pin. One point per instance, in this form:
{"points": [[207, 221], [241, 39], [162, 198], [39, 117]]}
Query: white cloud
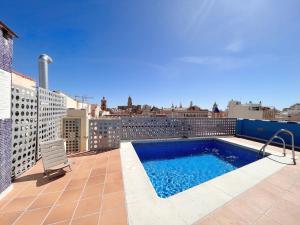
{"points": [[205, 60], [236, 46], [222, 62]]}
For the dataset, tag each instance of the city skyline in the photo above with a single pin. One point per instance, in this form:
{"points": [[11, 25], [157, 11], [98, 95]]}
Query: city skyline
{"points": [[163, 52]]}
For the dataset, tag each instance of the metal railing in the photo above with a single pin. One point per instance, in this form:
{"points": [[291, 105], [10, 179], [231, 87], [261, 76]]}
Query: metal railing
{"points": [[275, 136]]}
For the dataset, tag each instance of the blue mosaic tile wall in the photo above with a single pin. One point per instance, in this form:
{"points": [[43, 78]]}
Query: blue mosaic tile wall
{"points": [[264, 130], [6, 51], [5, 153]]}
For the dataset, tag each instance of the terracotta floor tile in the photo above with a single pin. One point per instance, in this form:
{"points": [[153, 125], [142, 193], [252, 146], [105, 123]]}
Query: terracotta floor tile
{"points": [[92, 191], [115, 152], [76, 184], [18, 204], [65, 222], [115, 176], [208, 220], [88, 206], [102, 160], [262, 196], [31, 191], [3, 202], [116, 216], [111, 187], [293, 197], [87, 220], [285, 178], [61, 213], [9, 217], [96, 180], [265, 220], [114, 167], [77, 193], [56, 186], [86, 165], [247, 211], [226, 216], [285, 212], [114, 160], [113, 200], [82, 175], [45, 200], [98, 171], [69, 196], [33, 217]]}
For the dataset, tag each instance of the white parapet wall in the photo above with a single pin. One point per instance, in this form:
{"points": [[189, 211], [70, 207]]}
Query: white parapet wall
{"points": [[5, 94]]}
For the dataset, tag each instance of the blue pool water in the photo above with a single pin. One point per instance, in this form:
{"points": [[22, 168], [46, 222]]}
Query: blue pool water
{"points": [[175, 166]]}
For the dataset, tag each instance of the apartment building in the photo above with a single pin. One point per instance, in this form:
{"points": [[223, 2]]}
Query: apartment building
{"points": [[250, 110]]}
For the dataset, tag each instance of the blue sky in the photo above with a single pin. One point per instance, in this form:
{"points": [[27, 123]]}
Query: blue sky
{"points": [[163, 51]]}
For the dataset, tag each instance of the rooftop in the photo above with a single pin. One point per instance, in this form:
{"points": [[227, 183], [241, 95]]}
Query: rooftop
{"points": [[93, 193]]}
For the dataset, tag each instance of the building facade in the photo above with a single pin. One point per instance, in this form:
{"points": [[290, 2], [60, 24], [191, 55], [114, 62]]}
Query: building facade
{"points": [[6, 56], [250, 110]]}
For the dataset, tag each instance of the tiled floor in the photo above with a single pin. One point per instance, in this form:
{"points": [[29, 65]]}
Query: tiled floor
{"points": [[274, 201], [92, 193]]}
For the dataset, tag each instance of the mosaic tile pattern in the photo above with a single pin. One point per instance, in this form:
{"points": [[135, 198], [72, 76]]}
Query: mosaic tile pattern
{"points": [[5, 154], [6, 51]]}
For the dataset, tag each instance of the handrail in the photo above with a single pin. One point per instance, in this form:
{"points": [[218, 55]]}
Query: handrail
{"points": [[275, 136], [283, 144]]}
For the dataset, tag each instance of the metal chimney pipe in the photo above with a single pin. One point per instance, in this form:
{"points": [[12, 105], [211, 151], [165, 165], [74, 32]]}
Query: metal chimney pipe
{"points": [[44, 60]]}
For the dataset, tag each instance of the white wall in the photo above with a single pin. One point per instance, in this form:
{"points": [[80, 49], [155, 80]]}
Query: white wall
{"points": [[241, 111], [5, 94]]}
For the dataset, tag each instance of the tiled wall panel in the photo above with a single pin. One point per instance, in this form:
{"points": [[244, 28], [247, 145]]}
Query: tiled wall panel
{"points": [[5, 154], [263, 130], [6, 50]]}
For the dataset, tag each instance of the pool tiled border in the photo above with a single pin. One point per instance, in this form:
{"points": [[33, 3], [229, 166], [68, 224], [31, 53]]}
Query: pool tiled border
{"points": [[145, 207]]}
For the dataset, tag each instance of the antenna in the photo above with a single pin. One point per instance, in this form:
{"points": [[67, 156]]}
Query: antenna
{"points": [[83, 99]]}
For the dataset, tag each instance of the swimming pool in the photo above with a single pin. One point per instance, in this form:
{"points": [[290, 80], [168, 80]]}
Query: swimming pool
{"points": [[175, 166]]}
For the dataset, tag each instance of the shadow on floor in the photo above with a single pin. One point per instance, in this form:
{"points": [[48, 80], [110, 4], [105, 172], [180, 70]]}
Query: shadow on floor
{"points": [[89, 153], [40, 178]]}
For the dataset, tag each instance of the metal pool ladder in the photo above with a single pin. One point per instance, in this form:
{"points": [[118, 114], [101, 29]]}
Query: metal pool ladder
{"points": [[275, 136]]}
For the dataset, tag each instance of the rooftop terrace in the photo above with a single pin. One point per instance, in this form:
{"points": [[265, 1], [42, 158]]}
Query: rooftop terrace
{"points": [[93, 193]]}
